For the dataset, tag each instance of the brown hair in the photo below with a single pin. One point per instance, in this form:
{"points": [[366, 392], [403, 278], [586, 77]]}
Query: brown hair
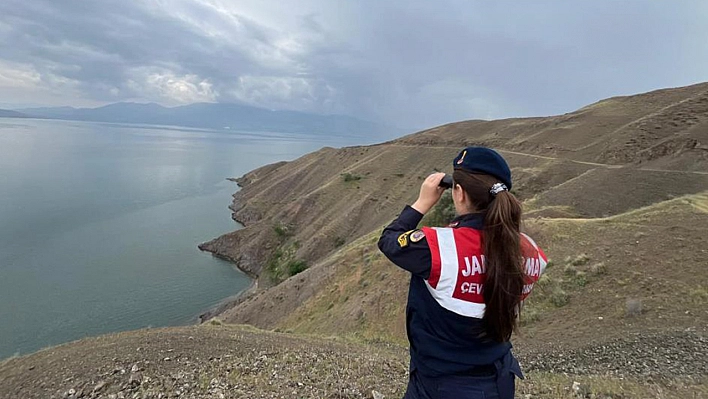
{"points": [[502, 249]]}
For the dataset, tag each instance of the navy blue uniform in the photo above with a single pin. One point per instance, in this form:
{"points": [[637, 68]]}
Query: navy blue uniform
{"points": [[448, 350]]}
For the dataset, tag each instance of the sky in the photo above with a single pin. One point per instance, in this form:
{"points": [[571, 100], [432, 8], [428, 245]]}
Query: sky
{"points": [[411, 64]]}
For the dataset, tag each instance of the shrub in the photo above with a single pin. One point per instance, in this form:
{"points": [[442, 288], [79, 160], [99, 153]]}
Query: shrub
{"points": [[282, 230], [339, 241], [558, 297], [529, 315], [544, 281], [581, 279], [296, 266], [580, 260], [273, 263], [350, 177]]}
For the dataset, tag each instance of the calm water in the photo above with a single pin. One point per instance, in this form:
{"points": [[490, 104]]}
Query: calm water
{"points": [[99, 224]]}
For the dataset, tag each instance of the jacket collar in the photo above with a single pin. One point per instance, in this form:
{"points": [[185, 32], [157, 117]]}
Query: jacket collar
{"points": [[473, 220]]}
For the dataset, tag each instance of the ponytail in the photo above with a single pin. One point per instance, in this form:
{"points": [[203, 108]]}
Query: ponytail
{"points": [[504, 281], [504, 277]]}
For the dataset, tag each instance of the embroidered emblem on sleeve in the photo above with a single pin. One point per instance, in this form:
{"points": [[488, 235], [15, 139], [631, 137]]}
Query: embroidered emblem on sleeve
{"points": [[403, 239], [417, 235]]}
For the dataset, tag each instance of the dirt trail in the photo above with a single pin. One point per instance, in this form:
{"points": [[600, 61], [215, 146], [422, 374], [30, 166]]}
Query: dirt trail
{"points": [[602, 165]]}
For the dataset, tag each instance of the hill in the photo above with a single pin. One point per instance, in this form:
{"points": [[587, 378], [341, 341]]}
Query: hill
{"points": [[616, 192], [312, 206], [216, 116], [4, 113]]}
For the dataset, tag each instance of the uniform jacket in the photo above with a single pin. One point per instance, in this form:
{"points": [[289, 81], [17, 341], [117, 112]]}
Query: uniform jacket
{"points": [[445, 303]]}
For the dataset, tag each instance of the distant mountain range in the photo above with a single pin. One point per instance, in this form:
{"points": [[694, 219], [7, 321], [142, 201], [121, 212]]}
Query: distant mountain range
{"points": [[4, 113], [212, 116]]}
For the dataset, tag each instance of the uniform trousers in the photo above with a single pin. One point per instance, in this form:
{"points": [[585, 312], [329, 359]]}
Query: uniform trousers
{"points": [[498, 385]]}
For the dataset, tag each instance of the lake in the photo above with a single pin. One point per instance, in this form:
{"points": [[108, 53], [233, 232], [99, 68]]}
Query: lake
{"points": [[99, 224]]}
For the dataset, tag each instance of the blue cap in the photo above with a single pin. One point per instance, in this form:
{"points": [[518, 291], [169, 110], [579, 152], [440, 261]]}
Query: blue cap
{"points": [[483, 160]]}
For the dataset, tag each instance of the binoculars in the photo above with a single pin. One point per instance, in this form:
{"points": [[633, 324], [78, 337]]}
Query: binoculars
{"points": [[446, 182]]}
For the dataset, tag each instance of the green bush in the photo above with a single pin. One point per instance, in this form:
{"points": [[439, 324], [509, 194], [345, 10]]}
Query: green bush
{"points": [[350, 177], [581, 279], [296, 266], [529, 315], [580, 260], [273, 263], [559, 297], [544, 281], [282, 230]]}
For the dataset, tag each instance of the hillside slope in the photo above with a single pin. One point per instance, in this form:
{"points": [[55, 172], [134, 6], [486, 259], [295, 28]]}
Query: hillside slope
{"points": [[307, 209], [220, 361], [654, 256], [616, 193]]}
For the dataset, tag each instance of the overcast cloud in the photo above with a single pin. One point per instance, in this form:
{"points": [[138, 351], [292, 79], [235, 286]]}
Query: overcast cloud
{"points": [[408, 63]]}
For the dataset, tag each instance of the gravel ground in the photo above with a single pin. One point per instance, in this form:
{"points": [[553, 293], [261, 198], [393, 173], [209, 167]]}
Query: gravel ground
{"points": [[664, 355], [225, 361], [206, 362]]}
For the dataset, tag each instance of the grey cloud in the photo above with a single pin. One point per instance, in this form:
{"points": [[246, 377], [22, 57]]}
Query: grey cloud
{"points": [[413, 64], [104, 45]]}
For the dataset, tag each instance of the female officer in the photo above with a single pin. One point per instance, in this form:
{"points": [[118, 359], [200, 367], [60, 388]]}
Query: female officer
{"points": [[468, 281]]}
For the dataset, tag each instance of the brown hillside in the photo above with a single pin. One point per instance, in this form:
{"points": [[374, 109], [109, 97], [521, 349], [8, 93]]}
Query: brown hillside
{"points": [[618, 130], [615, 192], [653, 255], [311, 206]]}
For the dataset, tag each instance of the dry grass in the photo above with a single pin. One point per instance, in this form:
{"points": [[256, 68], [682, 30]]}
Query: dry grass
{"points": [[558, 386]]}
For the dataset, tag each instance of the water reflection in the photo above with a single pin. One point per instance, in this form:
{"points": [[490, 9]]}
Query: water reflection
{"points": [[99, 224]]}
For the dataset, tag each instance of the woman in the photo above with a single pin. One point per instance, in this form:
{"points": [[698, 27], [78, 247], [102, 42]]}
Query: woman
{"points": [[468, 281]]}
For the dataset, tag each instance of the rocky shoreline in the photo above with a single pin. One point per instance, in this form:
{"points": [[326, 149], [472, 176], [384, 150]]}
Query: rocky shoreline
{"points": [[234, 300], [226, 253], [232, 246], [228, 303]]}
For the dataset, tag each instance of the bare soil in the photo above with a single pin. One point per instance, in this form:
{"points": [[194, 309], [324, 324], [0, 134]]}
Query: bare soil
{"points": [[227, 361]]}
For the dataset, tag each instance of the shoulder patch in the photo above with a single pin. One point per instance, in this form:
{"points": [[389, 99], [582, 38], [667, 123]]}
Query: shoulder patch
{"points": [[403, 239], [417, 235]]}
